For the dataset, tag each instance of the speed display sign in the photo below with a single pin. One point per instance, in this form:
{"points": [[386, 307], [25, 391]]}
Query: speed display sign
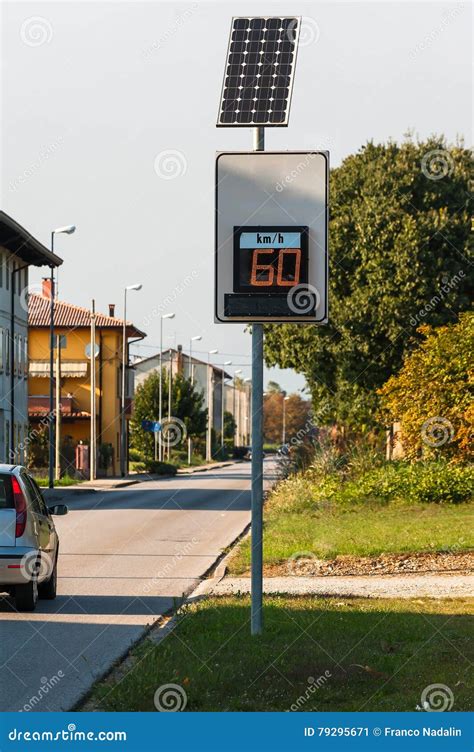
{"points": [[271, 250]]}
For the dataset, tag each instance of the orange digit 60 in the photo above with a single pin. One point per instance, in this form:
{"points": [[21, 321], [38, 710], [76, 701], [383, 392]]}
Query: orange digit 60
{"points": [[269, 280]]}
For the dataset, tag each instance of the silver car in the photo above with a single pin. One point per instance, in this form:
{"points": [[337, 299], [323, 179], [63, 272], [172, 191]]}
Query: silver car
{"points": [[29, 543]]}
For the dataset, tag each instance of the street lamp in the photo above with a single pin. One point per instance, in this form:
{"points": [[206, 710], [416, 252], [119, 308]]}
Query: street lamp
{"points": [[226, 363], [249, 407], [237, 424], [124, 366], [209, 414], [197, 338], [160, 401], [67, 230], [283, 430]]}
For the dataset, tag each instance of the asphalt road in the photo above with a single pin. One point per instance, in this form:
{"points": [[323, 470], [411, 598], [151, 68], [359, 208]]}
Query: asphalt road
{"points": [[125, 557]]}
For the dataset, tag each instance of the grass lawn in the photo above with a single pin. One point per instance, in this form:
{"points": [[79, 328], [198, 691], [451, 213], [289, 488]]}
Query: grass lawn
{"points": [[380, 511], [334, 654], [66, 481], [362, 531]]}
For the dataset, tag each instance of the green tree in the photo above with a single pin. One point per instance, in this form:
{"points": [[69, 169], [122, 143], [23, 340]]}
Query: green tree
{"points": [[432, 395], [230, 425], [399, 229], [186, 405]]}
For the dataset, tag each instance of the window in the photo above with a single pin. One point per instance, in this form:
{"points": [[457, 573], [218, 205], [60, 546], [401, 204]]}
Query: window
{"points": [[6, 496], [39, 496], [32, 493]]}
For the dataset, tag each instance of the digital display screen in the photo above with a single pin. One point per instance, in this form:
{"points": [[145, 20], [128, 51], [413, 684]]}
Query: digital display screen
{"points": [[270, 259]]}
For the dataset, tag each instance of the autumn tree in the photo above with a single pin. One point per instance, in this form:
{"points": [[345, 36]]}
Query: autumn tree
{"points": [[297, 416]]}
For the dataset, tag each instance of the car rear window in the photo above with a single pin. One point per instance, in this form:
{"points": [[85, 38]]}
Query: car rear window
{"points": [[6, 495]]}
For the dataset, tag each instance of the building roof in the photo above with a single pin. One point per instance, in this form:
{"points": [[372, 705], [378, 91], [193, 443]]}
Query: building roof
{"points": [[196, 361], [22, 244], [71, 316]]}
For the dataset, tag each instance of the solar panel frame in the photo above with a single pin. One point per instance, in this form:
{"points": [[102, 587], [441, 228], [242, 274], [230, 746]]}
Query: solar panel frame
{"points": [[289, 89]]}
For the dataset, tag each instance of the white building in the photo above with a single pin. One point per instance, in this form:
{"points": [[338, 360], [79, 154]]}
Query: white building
{"points": [[18, 251], [208, 380]]}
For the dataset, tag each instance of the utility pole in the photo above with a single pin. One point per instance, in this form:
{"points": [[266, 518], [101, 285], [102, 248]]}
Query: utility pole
{"points": [[58, 409], [92, 445]]}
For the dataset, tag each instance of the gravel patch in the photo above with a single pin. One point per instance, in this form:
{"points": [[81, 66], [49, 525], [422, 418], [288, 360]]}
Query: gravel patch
{"points": [[391, 586]]}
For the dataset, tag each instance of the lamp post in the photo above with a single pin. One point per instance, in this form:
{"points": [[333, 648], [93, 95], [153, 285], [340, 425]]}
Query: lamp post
{"points": [[67, 230], [209, 407], [237, 425], [160, 399], [248, 417], [283, 428], [124, 369], [197, 338], [226, 363]]}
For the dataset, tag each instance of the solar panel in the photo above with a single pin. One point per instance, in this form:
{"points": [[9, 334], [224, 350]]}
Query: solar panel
{"points": [[259, 72]]}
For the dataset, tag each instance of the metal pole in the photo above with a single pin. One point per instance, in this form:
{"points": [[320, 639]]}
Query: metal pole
{"points": [[257, 457], [283, 431], [122, 403], [160, 399], [51, 374], [191, 378], [222, 412], [58, 410], [170, 387], [92, 445], [209, 416]]}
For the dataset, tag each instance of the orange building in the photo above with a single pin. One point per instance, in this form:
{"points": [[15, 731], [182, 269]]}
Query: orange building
{"points": [[72, 329]]}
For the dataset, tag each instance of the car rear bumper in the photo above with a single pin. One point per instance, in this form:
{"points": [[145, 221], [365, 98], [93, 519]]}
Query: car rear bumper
{"points": [[14, 566]]}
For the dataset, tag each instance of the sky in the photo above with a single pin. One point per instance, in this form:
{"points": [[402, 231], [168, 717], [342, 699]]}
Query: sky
{"points": [[108, 122]]}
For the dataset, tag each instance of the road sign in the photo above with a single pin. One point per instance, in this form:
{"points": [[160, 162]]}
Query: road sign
{"points": [[153, 426], [271, 237], [88, 350]]}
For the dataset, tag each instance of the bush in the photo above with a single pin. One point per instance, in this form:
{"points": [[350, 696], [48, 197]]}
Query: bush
{"points": [[160, 468], [430, 396], [436, 482], [135, 455]]}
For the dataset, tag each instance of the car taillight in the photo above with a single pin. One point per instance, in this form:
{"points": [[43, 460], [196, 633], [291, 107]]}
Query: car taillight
{"points": [[20, 506]]}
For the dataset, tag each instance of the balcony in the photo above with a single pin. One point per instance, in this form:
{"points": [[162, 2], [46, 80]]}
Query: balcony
{"points": [[38, 407]]}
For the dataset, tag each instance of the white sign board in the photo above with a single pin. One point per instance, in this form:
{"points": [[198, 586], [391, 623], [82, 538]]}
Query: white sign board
{"points": [[271, 237]]}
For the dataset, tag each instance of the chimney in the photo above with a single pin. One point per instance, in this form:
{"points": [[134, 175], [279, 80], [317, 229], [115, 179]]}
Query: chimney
{"points": [[112, 310], [46, 289]]}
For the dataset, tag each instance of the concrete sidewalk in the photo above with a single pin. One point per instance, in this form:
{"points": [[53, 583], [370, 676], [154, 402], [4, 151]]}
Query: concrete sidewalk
{"points": [[110, 484], [372, 586]]}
